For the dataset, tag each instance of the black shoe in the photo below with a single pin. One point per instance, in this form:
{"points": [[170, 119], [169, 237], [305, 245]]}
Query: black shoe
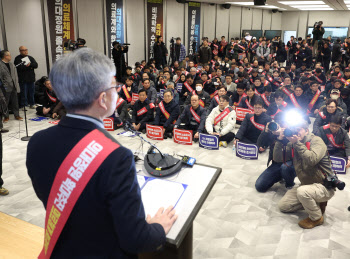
{"points": [[170, 135], [195, 140], [165, 136], [4, 130]]}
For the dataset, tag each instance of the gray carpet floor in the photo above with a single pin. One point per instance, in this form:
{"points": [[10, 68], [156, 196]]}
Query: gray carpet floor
{"points": [[235, 221]]}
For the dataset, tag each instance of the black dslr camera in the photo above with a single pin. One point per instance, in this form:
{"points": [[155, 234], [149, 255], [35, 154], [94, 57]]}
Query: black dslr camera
{"points": [[332, 181], [273, 126], [74, 45], [318, 25]]}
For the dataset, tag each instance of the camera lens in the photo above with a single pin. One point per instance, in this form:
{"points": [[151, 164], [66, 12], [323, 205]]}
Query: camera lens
{"points": [[273, 126], [288, 133]]}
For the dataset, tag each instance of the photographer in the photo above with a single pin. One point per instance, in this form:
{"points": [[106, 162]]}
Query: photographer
{"points": [[119, 59], [317, 33], [311, 162], [276, 171]]}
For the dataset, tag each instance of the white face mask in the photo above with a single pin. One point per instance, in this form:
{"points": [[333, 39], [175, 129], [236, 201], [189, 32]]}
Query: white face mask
{"points": [[334, 96], [198, 88], [223, 63], [260, 70]]}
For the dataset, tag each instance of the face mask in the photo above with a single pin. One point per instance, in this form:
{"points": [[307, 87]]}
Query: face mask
{"points": [[223, 63], [260, 70], [198, 88], [334, 96], [227, 65]]}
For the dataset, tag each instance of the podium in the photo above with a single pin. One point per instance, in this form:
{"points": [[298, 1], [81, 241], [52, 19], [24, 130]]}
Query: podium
{"points": [[179, 241]]}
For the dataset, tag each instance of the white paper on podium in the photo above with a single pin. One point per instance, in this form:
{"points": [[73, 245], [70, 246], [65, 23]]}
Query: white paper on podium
{"points": [[157, 193]]}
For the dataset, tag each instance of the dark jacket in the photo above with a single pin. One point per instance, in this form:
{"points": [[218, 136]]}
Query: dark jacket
{"points": [[319, 102], [187, 118], [252, 102], [25, 73], [325, 118], [336, 53], [248, 130], [341, 138], [204, 96], [172, 108], [123, 111], [318, 34], [146, 117], [110, 203], [204, 54], [273, 108], [160, 52], [302, 101]]}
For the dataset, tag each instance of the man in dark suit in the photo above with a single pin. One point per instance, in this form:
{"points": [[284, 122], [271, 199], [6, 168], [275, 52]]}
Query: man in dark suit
{"points": [[108, 219]]}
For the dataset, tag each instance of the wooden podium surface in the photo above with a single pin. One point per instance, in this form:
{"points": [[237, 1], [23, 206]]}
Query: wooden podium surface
{"points": [[19, 239]]}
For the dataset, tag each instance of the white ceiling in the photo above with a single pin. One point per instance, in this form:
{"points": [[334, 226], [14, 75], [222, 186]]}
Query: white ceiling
{"points": [[333, 4]]}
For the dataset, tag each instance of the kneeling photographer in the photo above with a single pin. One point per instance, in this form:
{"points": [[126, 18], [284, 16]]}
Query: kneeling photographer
{"points": [[313, 168], [277, 171]]}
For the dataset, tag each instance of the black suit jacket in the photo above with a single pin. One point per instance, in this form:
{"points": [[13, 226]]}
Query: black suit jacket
{"points": [[108, 220]]}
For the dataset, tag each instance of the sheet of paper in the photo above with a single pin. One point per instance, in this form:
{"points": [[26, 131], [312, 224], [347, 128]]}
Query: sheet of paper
{"points": [[141, 180], [157, 193], [26, 60]]}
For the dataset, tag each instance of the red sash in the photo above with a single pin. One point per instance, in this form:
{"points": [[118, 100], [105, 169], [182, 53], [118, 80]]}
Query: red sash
{"points": [[263, 96], [144, 109], [257, 125], [250, 70], [256, 92], [313, 101], [222, 115], [214, 94], [72, 176], [127, 95], [195, 115], [119, 102], [344, 81], [292, 97], [177, 79], [189, 88], [201, 103], [162, 108], [53, 99], [254, 45], [248, 104], [270, 78], [240, 99], [318, 79], [331, 138], [273, 116], [243, 48], [217, 99], [322, 115], [339, 75], [266, 83]]}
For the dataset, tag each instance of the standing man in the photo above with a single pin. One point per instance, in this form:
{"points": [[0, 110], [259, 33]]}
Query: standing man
{"points": [[317, 32], [204, 53], [160, 52], [180, 51], [9, 78], [119, 59], [26, 77], [87, 159]]}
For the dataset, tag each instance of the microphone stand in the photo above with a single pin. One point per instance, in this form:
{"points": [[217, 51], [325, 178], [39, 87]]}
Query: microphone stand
{"points": [[26, 138], [129, 127]]}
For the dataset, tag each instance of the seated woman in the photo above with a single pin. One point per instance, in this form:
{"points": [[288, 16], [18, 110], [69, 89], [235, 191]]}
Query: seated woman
{"points": [[336, 138], [251, 98], [326, 112]]}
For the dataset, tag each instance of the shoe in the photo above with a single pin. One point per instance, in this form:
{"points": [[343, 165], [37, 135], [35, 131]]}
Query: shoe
{"points": [[323, 206], [165, 136], [308, 223], [6, 119], [3, 191], [32, 107], [143, 131], [170, 135], [222, 144], [4, 130], [19, 118]]}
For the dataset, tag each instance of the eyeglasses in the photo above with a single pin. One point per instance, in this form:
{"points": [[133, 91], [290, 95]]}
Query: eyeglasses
{"points": [[331, 107], [110, 88], [258, 108]]}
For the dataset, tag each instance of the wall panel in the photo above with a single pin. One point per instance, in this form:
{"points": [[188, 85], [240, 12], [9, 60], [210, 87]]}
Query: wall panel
{"points": [[257, 17], [235, 21], [208, 21], [222, 22]]}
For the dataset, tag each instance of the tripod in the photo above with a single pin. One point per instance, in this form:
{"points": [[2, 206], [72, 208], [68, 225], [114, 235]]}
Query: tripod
{"points": [[26, 138]]}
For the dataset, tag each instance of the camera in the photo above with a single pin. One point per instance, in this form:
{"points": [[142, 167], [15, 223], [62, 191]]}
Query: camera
{"points": [[120, 46], [318, 24], [289, 133], [74, 45], [332, 181]]}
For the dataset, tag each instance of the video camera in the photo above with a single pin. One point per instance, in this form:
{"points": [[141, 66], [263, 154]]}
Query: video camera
{"points": [[74, 45], [318, 25], [120, 46]]}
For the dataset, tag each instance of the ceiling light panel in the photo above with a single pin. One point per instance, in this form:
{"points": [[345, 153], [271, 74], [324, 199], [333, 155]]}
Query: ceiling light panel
{"points": [[309, 6], [302, 2], [241, 3]]}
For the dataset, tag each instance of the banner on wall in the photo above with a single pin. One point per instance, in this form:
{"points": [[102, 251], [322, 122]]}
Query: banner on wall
{"points": [[194, 21], [115, 23], [61, 25], [154, 23]]}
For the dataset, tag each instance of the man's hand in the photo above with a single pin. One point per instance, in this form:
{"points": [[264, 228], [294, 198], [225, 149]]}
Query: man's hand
{"points": [[28, 65], [46, 110], [163, 131], [261, 149], [128, 88], [280, 132], [215, 133], [235, 142], [185, 94], [348, 164], [294, 139], [316, 111], [196, 135], [132, 102], [165, 218], [54, 115]]}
